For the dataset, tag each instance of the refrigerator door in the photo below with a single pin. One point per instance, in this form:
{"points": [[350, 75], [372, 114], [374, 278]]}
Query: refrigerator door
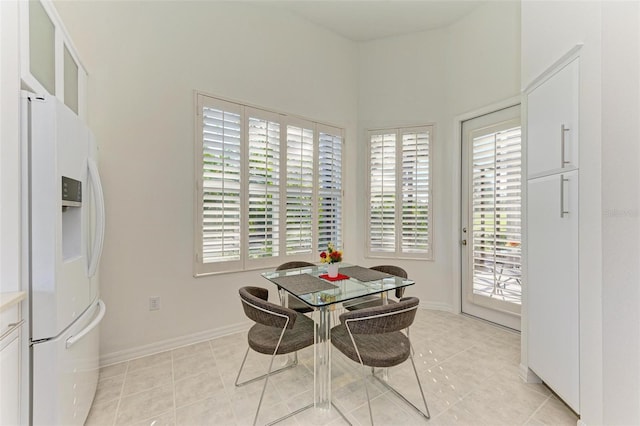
{"points": [[65, 372], [58, 164], [96, 218]]}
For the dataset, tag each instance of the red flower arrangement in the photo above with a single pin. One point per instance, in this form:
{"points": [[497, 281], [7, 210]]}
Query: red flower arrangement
{"points": [[331, 255]]}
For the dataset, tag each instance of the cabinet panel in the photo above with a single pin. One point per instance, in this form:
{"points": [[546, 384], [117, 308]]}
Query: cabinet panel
{"points": [[553, 283], [70, 81], [552, 122], [42, 47], [10, 379]]}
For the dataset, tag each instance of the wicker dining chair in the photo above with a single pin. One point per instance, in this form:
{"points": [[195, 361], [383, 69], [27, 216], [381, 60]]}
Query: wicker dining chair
{"points": [[373, 337], [277, 330], [293, 302], [376, 300]]}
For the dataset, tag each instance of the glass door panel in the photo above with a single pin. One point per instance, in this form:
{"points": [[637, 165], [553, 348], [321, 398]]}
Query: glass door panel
{"points": [[491, 222]]}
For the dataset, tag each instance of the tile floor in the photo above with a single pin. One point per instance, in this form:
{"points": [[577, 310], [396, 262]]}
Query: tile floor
{"points": [[468, 368]]}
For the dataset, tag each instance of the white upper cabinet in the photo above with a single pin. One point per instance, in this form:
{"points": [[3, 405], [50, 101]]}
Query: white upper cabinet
{"points": [[552, 124], [42, 47], [49, 62]]}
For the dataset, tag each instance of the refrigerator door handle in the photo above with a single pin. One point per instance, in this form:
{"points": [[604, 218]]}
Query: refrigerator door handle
{"points": [[96, 321], [96, 184]]}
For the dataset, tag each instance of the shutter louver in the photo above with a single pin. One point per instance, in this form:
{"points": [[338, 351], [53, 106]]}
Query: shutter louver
{"points": [[264, 188], [382, 201], [299, 190], [496, 205], [221, 185], [329, 190], [415, 236]]}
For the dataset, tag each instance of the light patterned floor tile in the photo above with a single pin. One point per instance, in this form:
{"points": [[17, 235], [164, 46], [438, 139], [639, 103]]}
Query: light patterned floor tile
{"points": [[553, 412], [147, 378], [113, 370], [211, 411], [109, 389], [469, 371], [144, 405], [102, 414]]}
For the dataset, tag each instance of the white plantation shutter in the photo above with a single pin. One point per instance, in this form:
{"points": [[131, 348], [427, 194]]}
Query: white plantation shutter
{"points": [[299, 189], [416, 210], [268, 187], [497, 199], [400, 218], [221, 183], [329, 187], [382, 195], [263, 136]]}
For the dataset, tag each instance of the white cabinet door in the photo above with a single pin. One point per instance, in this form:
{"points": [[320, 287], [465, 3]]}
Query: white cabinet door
{"points": [[553, 283], [552, 122], [10, 379]]}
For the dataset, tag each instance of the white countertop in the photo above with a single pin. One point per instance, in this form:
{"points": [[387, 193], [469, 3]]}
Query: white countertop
{"points": [[10, 298]]}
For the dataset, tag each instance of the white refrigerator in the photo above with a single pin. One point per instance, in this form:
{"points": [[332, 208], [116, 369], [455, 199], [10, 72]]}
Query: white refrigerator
{"points": [[62, 241]]}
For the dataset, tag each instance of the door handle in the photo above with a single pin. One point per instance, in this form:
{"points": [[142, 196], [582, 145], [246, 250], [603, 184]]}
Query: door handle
{"points": [[563, 130], [562, 210]]}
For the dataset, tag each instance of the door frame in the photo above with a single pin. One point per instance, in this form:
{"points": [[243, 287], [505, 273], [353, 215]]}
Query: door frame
{"points": [[456, 181]]}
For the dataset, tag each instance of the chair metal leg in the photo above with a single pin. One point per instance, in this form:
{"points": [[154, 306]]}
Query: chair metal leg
{"points": [[300, 410], [398, 394], [366, 389], [264, 388], [255, 379]]}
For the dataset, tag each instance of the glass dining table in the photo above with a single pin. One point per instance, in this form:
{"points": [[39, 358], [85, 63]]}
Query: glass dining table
{"points": [[313, 286]]}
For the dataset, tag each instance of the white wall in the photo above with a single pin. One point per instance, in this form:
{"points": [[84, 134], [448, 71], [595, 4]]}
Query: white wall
{"points": [[621, 212], [432, 77], [144, 61], [9, 148]]}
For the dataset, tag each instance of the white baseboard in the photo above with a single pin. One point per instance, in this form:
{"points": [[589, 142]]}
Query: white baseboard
{"points": [[169, 344], [528, 376]]}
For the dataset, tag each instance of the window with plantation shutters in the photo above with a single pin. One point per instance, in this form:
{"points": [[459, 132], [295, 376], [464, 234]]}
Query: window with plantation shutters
{"points": [[299, 184], [329, 187], [382, 193], [221, 184], [269, 187], [263, 190], [415, 234], [400, 193]]}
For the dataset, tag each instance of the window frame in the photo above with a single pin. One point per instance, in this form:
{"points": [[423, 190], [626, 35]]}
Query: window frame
{"points": [[245, 263], [398, 253]]}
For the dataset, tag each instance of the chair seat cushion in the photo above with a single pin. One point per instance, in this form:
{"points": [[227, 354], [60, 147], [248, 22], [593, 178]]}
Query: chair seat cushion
{"points": [[264, 339], [376, 350], [298, 306]]}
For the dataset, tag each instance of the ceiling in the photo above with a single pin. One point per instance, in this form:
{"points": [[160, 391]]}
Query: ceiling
{"points": [[364, 20]]}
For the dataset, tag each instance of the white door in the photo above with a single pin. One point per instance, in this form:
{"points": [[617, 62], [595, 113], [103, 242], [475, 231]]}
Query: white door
{"points": [[65, 372], [491, 217]]}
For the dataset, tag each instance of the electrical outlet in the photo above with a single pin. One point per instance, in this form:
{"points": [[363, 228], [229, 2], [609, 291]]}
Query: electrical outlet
{"points": [[154, 303]]}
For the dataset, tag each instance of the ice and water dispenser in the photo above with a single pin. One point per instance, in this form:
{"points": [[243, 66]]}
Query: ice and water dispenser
{"points": [[71, 218]]}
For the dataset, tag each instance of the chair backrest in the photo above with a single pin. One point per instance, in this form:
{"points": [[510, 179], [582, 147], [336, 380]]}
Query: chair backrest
{"points": [[259, 309], [294, 264], [382, 319], [393, 270]]}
